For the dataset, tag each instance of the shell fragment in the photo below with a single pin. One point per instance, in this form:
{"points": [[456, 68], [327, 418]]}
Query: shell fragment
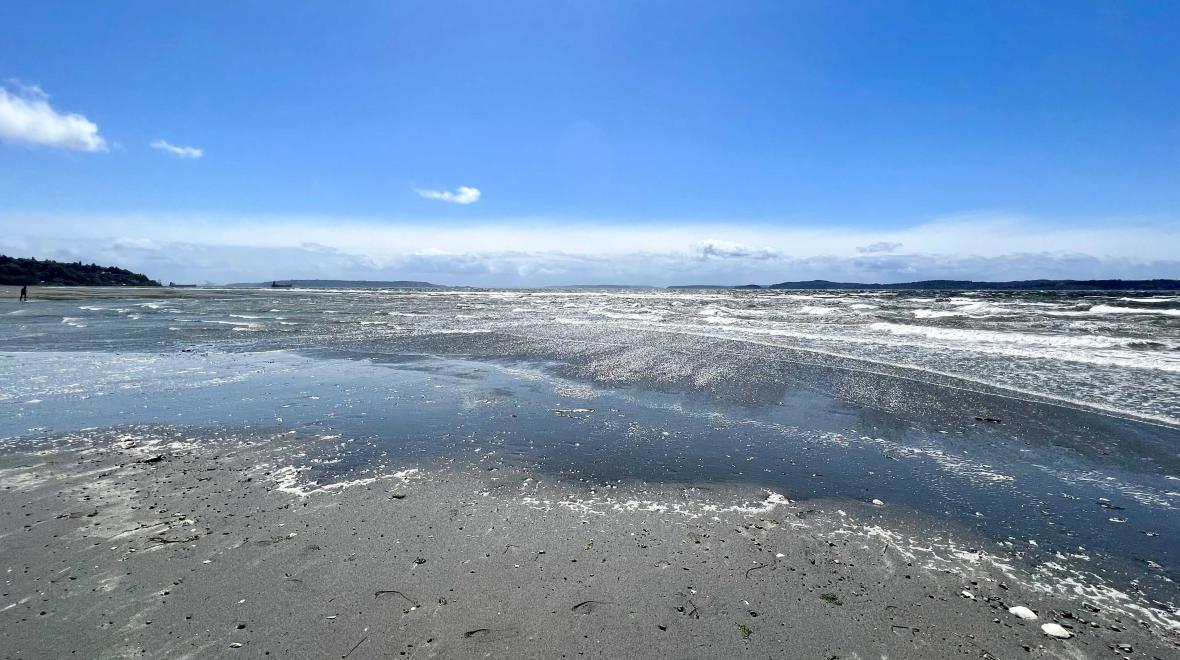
{"points": [[1055, 630]]}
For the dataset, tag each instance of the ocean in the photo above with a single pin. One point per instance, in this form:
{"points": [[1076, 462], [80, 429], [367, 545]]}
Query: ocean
{"points": [[1116, 353]]}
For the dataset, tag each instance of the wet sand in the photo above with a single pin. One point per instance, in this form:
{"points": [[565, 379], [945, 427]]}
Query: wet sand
{"points": [[93, 292], [165, 543]]}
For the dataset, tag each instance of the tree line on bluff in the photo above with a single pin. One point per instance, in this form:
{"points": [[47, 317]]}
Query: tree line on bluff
{"points": [[21, 272]]}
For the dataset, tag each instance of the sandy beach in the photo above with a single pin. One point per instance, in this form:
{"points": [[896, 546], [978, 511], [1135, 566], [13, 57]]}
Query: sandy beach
{"points": [[155, 543]]}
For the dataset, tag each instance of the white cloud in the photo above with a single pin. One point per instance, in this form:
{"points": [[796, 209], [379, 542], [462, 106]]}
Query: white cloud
{"points": [[462, 195], [182, 152], [26, 116]]}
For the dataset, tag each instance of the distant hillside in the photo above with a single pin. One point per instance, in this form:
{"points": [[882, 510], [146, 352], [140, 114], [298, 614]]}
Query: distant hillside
{"points": [[339, 284], [1018, 285], [601, 286], [717, 286], [21, 272]]}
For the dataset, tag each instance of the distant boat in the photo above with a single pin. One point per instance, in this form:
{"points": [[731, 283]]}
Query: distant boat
{"points": [[276, 285], [174, 285]]}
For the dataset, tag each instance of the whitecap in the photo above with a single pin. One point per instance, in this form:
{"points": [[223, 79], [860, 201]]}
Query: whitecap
{"points": [[1110, 309]]}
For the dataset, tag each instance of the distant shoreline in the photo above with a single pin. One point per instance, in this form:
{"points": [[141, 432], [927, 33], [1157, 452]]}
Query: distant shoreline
{"points": [[55, 291], [332, 284], [962, 285], [808, 285], [1156, 285]]}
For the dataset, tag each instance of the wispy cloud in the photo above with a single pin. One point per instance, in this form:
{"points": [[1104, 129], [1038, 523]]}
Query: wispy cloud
{"points": [[879, 247], [717, 249], [462, 195], [27, 117], [182, 152]]}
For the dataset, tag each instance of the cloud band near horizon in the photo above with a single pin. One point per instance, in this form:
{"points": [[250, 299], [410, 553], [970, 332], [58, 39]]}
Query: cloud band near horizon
{"points": [[529, 253]]}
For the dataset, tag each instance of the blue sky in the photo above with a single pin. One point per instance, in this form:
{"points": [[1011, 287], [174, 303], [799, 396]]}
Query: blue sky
{"points": [[770, 140]]}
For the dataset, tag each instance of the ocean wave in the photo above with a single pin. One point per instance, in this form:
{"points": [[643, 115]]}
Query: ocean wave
{"points": [[971, 308], [971, 336], [812, 310], [934, 313], [240, 324], [630, 316], [1110, 309], [1148, 345], [1152, 301]]}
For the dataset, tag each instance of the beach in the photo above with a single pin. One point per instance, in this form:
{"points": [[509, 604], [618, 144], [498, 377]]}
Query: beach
{"points": [[436, 474], [156, 544]]}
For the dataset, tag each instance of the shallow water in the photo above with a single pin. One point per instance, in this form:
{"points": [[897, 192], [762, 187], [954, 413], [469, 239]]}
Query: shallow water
{"points": [[826, 395], [1118, 352]]}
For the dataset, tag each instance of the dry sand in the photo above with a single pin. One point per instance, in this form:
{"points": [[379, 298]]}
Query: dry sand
{"points": [[149, 544]]}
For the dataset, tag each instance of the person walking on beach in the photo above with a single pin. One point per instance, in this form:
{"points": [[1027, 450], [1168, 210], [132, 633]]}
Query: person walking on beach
{"points": [[24, 294]]}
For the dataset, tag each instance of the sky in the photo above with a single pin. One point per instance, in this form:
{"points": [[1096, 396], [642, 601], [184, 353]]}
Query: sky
{"points": [[550, 143]]}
